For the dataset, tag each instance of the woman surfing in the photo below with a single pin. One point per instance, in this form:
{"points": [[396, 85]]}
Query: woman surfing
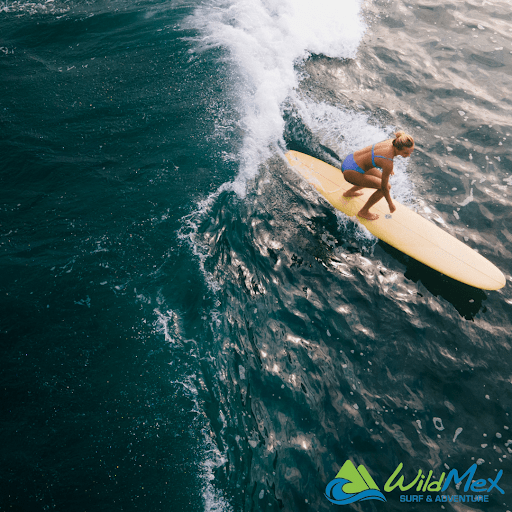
{"points": [[371, 167]]}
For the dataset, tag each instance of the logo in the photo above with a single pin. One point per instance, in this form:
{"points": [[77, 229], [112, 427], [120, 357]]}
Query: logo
{"points": [[351, 484]]}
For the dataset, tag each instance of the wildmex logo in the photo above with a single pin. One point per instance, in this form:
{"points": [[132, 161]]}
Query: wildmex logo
{"points": [[351, 485]]}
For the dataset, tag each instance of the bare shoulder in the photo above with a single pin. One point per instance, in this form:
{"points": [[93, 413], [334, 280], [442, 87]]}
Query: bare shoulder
{"points": [[385, 148]]}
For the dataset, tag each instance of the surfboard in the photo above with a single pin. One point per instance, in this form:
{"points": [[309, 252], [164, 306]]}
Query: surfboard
{"points": [[404, 229]]}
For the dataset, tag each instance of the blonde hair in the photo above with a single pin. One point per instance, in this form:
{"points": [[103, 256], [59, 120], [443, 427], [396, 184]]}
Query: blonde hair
{"points": [[402, 140]]}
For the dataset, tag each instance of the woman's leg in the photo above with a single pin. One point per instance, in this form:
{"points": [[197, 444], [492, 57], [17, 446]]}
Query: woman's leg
{"points": [[373, 199], [353, 192], [370, 179]]}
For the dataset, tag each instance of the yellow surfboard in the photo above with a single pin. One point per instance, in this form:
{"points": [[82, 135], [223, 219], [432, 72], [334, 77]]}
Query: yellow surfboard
{"points": [[404, 229]]}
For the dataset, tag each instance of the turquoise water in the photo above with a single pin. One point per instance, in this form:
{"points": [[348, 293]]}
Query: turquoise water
{"points": [[186, 325]]}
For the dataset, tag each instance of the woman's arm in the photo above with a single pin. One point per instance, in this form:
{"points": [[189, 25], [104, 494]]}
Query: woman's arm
{"points": [[386, 187]]}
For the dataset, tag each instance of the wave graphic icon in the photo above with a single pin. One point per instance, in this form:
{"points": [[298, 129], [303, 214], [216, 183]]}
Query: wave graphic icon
{"points": [[351, 485]]}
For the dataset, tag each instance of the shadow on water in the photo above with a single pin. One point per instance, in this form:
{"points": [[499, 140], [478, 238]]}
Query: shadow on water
{"points": [[466, 299]]}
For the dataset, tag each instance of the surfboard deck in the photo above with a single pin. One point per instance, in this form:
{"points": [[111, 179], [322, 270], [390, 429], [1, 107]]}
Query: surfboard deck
{"points": [[404, 229]]}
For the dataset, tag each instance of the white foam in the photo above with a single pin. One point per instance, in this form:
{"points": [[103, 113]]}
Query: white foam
{"points": [[265, 40], [214, 499], [168, 323], [189, 234], [22, 7]]}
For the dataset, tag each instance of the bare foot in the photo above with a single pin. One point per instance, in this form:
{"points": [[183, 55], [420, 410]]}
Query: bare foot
{"points": [[352, 194], [367, 215]]}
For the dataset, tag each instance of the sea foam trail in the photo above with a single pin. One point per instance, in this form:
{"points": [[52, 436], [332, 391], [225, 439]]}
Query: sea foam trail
{"points": [[265, 40], [264, 46]]}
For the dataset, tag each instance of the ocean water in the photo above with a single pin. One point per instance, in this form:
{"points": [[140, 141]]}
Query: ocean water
{"points": [[187, 325]]}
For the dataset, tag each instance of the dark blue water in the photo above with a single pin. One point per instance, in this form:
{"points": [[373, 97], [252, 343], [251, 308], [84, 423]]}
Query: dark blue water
{"points": [[186, 325]]}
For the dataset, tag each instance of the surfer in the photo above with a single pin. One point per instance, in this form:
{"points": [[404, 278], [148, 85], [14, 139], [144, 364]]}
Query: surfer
{"points": [[371, 167]]}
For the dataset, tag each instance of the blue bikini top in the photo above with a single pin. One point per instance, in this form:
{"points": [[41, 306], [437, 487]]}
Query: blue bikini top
{"points": [[377, 156]]}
